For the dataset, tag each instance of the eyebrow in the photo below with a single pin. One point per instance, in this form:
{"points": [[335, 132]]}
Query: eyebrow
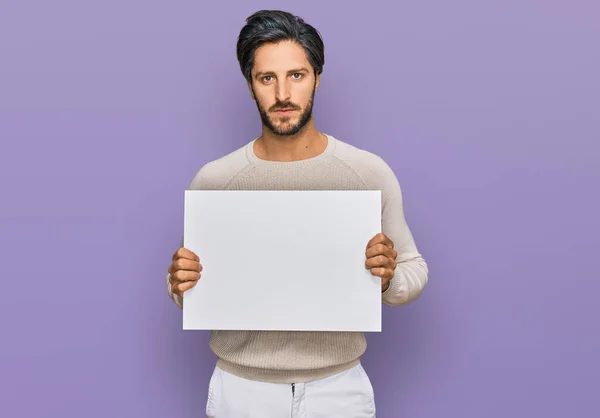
{"points": [[293, 71]]}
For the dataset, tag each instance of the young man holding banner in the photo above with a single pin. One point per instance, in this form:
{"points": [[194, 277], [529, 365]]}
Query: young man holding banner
{"points": [[278, 373]]}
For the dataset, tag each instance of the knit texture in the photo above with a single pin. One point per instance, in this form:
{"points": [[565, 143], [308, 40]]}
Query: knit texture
{"points": [[287, 357]]}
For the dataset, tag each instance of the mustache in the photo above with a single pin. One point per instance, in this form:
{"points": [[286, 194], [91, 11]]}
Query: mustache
{"points": [[285, 105]]}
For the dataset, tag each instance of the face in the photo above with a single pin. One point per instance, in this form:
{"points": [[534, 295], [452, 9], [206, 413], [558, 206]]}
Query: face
{"points": [[283, 86]]}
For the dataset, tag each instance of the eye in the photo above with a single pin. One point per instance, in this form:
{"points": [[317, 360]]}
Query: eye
{"points": [[297, 76], [267, 78]]}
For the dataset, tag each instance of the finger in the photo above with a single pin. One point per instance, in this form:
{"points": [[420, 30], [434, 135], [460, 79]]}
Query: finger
{"points": [[377, 239], [185, 253], [382, 272], [186, 264], [387, 241], [181, 276], [174, 288], [380, 261], [380, 238], [381, 249], [186, 286]]}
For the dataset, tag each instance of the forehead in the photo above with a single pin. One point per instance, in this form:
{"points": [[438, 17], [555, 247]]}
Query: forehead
{"points": [[279, 57]]}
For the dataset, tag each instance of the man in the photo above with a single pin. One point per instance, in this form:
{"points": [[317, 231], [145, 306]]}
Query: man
{"points": [[298, 374]]}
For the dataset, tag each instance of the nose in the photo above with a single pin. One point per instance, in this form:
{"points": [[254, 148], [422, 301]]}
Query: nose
{"points": [[282, 90]]}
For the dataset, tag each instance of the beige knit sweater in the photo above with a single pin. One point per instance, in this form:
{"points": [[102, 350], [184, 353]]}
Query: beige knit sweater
{"points": [[289, 357]]}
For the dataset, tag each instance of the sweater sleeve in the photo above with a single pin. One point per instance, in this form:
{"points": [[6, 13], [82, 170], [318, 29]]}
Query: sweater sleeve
{"points": [[411, 274]]}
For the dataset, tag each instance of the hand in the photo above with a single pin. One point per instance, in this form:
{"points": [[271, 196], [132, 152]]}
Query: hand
{"points": [[184, 271], [381, 259]]}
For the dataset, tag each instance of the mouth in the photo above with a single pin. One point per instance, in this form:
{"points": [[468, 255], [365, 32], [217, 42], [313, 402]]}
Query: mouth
{"points": [[284, 111]]}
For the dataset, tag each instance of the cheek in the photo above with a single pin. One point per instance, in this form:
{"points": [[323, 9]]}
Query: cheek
{"points": [[264, 99], [263, 102], [304, 97]]}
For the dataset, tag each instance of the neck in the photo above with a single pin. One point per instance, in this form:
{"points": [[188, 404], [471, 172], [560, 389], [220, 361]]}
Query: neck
{"points": [[307, 143]]}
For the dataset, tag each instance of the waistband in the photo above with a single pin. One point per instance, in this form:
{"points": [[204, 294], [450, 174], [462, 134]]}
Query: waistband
{"points": [[283, 376]]}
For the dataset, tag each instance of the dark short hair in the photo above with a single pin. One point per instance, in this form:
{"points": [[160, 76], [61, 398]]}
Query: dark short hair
{"points": [[273, 26]]}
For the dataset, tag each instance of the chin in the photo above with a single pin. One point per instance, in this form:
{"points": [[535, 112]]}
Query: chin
{"points": [[285, 127], [285, 130]]}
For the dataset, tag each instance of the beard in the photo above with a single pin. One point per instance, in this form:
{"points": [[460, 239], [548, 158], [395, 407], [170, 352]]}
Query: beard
{"points": [[285, 128]]}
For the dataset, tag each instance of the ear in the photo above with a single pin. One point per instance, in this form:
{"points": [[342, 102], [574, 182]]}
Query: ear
{"points": [[317, 81], [251, 90]]}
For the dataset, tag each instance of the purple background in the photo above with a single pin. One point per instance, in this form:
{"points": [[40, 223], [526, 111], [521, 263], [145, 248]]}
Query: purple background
{"points": [[488, 112]]}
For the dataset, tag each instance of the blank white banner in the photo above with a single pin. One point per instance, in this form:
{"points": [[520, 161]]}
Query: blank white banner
{"points": [[282, 260]]}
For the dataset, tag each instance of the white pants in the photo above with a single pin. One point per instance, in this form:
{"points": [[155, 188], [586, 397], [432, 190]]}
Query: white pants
{"points": [[348, 394]]}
